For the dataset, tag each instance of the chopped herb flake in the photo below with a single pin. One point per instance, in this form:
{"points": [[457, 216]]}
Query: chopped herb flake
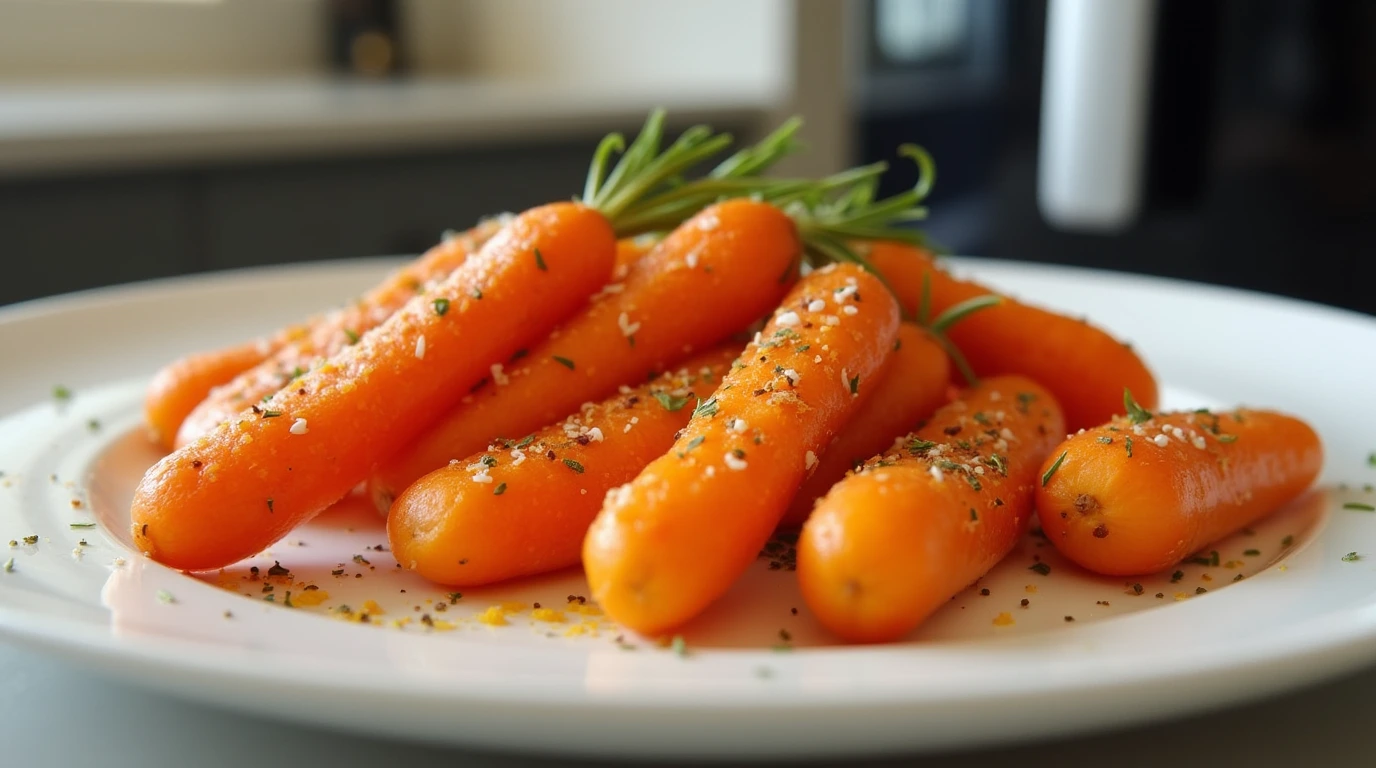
{"points": [[1177, 576], [441, 306], [1041, 568], [351, 335], [695, 442], [855, 385], [271, 414], [564, 361], [670, 402], [165, 597], [499, 490], [706, 408], [1046, 477], [679, 646], [1359, 506], [1287, 541], [573, 465], [1227, 438], [1251, 552], [1351, 557], [76, 526], [61, 393], [540, 261], [1106, 440], [1136, 413], [476, 293], [1128, 443]]}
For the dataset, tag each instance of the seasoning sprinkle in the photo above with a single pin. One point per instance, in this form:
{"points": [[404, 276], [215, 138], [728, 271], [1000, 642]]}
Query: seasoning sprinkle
{"points": [[573, 465], [78, 526], [1351, 557], [1128, 443], [351, 335], [1106, 440], [564, 361], [441, 306], [165, 597], [1046, 478], [1227, 438], [679, 646], [706, 408], [1041, 568], [540, 261], [1287, 541], [1251, 552], [855, 385], [61, 394], [1136, 413], [1359, 506], [499, 490], [670, 402], [695, 442]]}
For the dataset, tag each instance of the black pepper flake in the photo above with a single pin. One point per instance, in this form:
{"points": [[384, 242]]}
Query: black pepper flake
{"points": [[1177, 576], [196, 464], [1136, 588], [1200, 590], [1069, 618], [1026, 602], [984, 592], [278, 570]]}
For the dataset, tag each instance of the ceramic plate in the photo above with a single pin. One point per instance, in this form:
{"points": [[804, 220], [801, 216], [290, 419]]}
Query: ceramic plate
{"points": [[325, 628]]}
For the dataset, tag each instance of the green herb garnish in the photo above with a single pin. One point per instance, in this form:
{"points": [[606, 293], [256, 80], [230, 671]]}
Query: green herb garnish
{"points": [[540, 261], [706, 408], [1351, 557], [1046, 478], [62, 394], [165, 597], [351, 335], [855, 385], [1359, 506], [1136, 413], [499, 490], [78, 526], [573, 465], [441, 306], [564, 361], [670, 402], [1041, 568]]}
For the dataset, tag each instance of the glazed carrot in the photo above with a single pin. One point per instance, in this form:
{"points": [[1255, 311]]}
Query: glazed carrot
{"points": [[1085, 367], [523, 506], [181, 385], [674, 539], [889, 545], [241, 487], [911, 387], [1144, 491], [327, 335], [254, 477], [709, 278]]}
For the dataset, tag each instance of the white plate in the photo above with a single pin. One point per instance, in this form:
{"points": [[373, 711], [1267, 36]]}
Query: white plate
{"points": [[581, 686]]}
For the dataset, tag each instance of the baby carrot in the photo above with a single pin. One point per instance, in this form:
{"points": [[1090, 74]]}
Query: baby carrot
{"points": [[523, 506], [249, 481], [325, 336], [674, 539], [1082, 365], [1144, 491], [711, 277], [890, 544], [180, 386], [912, 385]]}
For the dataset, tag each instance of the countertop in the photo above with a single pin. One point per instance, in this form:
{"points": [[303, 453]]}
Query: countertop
{"points": [[52, 714], [63, 128]]}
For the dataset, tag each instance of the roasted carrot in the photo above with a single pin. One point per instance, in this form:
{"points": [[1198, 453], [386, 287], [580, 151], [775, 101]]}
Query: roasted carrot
{"points": [[709, 278], [1142, 492], [911, 387], [241, 487], [180, 386], [329, 334], [523, 506], [890, 544], [254, 477], [1082, 365], [673, 540]]}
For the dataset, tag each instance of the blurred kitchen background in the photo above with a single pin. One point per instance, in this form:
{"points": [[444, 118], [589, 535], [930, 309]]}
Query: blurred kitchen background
{"points": [[1230, 141]]}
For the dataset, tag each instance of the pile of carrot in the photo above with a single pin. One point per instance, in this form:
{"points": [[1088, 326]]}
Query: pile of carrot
{"points": [[647, 382]]}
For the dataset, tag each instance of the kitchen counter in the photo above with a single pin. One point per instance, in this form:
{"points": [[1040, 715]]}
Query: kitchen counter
{"points": [[76, 128]]}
